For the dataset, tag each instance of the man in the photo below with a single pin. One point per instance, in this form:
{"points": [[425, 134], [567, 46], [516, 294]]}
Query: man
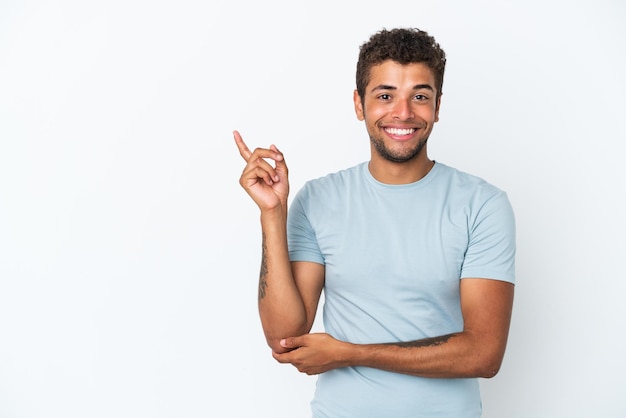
{"points": [[416, 259]]}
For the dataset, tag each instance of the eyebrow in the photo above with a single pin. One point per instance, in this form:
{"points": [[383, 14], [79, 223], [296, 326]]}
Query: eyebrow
{"points": [[415, 87]]}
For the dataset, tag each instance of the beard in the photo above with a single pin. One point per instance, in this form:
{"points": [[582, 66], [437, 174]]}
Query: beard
{"points": [[400, 156]]}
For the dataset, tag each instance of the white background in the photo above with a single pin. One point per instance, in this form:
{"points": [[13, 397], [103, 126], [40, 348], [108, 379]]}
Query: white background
{"points": [[129, 254]]}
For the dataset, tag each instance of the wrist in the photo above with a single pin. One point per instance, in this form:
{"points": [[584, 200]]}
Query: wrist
{"points": [[278, 213]]}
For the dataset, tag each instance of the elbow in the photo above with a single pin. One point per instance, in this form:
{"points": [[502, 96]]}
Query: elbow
{"points": [[486, 360], [488, 367], [489, 372], [274, 344], [274, 335], [273, 340]]}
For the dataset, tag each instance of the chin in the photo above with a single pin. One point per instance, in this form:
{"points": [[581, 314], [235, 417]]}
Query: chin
{"points": [[399, 156]]}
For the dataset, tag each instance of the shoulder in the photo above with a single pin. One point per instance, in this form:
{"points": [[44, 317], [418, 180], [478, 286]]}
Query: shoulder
{"points": [[467, 184], [335, 181]]}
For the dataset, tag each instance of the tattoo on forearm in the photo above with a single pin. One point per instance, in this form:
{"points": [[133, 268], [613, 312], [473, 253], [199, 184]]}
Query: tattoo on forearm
{"points": [[426, 342], [263, 273]]}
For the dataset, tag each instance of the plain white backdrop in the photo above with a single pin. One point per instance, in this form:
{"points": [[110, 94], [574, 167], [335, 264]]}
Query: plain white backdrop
{"points": [[129, 254]]}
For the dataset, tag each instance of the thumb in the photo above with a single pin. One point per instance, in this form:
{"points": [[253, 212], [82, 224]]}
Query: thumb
{"points": [[291, 342], [280, 158]]}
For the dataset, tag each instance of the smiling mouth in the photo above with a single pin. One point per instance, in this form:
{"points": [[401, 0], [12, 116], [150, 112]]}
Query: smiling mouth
{"points": [[400, 131]]}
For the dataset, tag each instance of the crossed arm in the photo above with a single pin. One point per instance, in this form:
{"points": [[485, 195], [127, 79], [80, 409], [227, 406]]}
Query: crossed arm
{"points": [[476, 351]]}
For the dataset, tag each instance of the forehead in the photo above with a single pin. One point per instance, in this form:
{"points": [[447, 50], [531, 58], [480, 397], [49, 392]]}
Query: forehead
{"points": [[394, 74]]}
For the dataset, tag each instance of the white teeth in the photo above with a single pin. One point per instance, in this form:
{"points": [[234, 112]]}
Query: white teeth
{"points": [[397, 131]]}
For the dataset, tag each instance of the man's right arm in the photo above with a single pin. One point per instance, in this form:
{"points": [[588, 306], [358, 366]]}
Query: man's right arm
{"points": [[288, 294]]}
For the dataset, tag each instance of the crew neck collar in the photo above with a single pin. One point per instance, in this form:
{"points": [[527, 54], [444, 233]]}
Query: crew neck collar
{"points": [[416, 184]]}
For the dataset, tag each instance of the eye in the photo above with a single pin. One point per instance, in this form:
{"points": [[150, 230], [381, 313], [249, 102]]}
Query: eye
{"points": [[384, 96], [421, 97]]}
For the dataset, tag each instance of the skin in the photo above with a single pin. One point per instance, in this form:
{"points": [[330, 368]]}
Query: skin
{"points": [[400, 97], [399, 110]]}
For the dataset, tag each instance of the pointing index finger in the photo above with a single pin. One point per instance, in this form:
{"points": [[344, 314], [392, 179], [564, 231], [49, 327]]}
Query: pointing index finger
{"points": [[243, 148]]}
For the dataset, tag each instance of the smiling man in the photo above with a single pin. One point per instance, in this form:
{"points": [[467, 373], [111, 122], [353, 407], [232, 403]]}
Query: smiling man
{"points": [[415, 258], [400, 116]]}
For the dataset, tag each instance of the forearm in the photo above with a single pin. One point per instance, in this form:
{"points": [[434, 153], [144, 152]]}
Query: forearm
{"points": [[459, 355], [281, 308], [477, 351]]}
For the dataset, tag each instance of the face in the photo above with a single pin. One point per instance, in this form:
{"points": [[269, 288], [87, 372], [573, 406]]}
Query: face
{"points": [[399, 108]]}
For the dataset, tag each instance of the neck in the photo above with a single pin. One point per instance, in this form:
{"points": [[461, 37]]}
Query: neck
{"points": [[390, 172]]}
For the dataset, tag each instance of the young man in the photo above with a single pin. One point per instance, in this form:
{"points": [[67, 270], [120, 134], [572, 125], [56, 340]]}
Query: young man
{"points": [[416, 259]]}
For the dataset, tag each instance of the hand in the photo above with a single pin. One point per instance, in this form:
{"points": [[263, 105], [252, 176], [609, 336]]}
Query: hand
{"points": [[314, 353], [267, 185]]}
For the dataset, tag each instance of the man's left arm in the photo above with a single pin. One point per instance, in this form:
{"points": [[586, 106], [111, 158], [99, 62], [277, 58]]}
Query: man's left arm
{"points": [[476, 351]]}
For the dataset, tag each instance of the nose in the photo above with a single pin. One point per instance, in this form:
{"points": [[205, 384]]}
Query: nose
{"points": [[402, 110]]}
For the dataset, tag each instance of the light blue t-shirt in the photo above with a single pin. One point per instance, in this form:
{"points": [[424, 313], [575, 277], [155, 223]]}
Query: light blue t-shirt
{"points": [[394, 256]]}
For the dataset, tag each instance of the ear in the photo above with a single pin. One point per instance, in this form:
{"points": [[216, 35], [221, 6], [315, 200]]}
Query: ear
{"points": [[358, 106], [437, 108]]}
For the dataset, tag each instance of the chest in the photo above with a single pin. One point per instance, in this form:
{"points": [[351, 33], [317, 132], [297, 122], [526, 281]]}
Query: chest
{"points": [[412, 243]]}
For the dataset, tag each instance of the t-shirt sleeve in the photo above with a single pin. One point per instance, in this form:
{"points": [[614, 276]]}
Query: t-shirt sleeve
{"points": [[301, 237], [491, 249]]}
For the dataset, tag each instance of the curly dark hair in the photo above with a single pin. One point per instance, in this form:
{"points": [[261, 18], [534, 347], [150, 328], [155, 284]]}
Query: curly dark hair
{"points": [[404, 46]]}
